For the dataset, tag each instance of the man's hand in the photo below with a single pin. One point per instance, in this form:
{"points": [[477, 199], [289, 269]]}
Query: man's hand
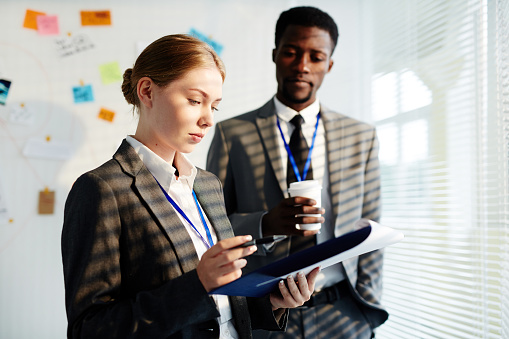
{"points": [[222, 264], [294, 294], [282, 218]]}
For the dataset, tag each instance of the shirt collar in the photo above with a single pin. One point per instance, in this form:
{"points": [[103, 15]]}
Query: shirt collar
{"points": [[286, 113], [163, 171]]}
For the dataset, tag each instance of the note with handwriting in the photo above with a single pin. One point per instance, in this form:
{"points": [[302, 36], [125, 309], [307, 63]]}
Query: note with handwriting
{"points": [[95, 18], [20, 114], [83, 93], [73, 44], [106, 114]]}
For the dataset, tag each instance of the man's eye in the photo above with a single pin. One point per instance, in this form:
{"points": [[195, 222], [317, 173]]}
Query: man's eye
{"points": [[193, 102]]}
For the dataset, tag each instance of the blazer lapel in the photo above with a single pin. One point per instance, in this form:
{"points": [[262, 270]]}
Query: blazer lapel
{"points": [[210, 197], [334, 144], [164, 214], [267, 125]]}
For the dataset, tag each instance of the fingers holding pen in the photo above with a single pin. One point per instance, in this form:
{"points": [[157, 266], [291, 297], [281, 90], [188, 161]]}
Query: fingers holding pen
{"points": [[222, 263]]}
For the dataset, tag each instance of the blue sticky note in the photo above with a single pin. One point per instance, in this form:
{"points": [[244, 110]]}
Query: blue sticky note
{"points": [[83, 94], [214, 44]]}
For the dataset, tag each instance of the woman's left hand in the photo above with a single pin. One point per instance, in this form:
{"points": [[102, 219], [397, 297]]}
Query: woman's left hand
{"points": [[294, 293]]}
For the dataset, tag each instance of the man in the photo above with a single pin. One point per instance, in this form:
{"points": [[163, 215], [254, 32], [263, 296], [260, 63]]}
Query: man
{"points": [[249, 154]]}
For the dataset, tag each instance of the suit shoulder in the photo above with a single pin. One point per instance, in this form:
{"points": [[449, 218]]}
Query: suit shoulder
{"points": [[345, 120], [108, 171]]}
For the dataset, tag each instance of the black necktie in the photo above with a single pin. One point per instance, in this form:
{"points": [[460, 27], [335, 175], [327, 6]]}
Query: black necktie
{"points": [[300, 151]]}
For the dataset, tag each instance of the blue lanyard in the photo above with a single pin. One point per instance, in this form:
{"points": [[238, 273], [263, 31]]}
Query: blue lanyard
{"points": [[174, 204], [290, 155]]}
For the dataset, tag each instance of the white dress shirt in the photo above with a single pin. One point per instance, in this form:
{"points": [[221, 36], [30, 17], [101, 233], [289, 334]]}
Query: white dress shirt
{"points": [[333, 274], [180, 190]]}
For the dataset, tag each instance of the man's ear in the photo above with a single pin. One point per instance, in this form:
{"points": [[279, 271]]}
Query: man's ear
{"points": [[274, 55], [331, 62], [145, 90]]}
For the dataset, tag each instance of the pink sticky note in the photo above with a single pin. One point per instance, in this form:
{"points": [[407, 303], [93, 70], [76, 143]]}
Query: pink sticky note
{"points": [[47, 25]]}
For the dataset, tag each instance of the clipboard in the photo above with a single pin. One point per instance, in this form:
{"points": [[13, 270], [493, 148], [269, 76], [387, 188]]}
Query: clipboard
{"points": [[262, 281]]}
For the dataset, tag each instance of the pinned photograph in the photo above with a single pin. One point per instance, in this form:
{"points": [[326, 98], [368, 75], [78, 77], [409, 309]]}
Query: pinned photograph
{"points": [[4, 90]]}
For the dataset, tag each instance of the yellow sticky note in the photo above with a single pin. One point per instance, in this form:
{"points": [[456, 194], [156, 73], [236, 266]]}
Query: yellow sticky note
{"points": [[31, 19], [95, 18], [110, 72], [106, 115]]}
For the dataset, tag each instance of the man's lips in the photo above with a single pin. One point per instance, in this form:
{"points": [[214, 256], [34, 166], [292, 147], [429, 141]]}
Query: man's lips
{"points": [[298, 82]]}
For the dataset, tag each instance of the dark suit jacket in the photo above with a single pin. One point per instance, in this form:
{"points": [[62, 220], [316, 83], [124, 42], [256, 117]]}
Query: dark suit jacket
{"points": [[245, 155], [130, 265]]}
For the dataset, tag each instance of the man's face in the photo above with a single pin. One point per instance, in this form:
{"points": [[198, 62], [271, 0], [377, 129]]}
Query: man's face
{"points": [[302, 60]]}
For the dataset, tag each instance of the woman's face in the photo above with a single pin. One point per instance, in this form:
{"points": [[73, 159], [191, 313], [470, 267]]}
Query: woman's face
{"points": [[183, 111]]}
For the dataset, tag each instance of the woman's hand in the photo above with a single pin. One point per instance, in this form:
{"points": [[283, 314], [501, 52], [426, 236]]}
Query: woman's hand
{"points": [[222, 263], [296, 293]]}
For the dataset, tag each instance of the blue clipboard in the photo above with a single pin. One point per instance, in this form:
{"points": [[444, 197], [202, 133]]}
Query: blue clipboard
{"points": [[264, 280]]}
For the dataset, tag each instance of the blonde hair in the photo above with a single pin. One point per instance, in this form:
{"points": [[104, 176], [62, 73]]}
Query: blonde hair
{"points": [[168, 59]]}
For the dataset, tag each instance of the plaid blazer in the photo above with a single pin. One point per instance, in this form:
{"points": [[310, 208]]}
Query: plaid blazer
{"points": [[245, 155], [130, 265]]}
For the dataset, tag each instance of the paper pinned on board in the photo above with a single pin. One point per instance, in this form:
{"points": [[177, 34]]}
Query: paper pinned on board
{"points": [[47, 149]]}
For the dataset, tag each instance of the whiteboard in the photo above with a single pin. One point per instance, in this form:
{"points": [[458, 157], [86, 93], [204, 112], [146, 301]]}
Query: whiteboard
{"points": [[40, 111]]}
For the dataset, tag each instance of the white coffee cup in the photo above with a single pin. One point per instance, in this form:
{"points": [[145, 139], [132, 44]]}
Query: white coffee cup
{"points": [[307, 189]]}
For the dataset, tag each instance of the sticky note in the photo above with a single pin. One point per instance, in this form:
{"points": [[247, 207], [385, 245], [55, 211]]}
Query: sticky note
{"points": [[46, 202], [95, 18], [214, 44], [4, 90], [110, 72], [47, 25], [106, 114], [31, 19], [83, 94]]}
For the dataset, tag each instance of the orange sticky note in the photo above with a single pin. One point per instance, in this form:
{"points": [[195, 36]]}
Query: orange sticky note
{"points": [[46, 202], [31, 19], [106, 114], [95, 18]]}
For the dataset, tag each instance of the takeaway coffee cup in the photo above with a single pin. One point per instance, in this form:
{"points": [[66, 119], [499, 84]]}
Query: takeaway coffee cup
{"points": [[308, 189]]}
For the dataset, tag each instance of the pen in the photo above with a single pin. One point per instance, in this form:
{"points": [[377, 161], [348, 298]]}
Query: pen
{"points": [[265, 240]]}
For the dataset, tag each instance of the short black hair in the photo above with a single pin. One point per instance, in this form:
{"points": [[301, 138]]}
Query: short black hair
{"points": [[309, 17]]}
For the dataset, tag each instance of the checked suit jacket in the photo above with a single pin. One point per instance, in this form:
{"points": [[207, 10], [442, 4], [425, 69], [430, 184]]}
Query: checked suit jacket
{"points": [[130, 265], [245, 155]]}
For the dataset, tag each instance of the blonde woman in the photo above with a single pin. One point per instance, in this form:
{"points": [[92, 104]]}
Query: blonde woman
{"points": [[145, 235]]}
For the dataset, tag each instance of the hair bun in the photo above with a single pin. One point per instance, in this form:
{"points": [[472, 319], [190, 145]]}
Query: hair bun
{"points": [[127, 87]]}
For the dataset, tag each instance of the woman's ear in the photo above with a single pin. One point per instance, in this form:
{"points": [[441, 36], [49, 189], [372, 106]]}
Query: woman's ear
{"points": [[144, 90]]}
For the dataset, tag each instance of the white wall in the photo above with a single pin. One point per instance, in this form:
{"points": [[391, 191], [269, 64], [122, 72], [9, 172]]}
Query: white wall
{"points": [[31, 280]]}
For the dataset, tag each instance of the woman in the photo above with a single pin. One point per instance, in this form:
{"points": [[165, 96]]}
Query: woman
{"points": [[136, 267]]}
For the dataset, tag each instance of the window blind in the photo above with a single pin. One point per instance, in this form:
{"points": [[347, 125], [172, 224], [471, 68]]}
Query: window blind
{"points": [[439, 99]]}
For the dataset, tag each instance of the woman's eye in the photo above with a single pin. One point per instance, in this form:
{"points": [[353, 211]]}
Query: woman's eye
{"points": [[215, 109], [193, 102]]}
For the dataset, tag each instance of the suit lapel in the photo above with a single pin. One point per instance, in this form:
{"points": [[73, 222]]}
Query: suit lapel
{"points": [[334, 144], [267, 125], [153, 198]]}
